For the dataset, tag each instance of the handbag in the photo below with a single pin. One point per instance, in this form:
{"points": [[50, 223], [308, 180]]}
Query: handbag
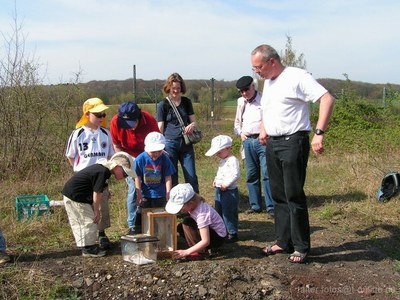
{"points": [[192, 138], [196, 135]]}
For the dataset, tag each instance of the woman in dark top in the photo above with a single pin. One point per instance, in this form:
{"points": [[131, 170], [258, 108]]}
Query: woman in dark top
{"points": [[170, 127]]}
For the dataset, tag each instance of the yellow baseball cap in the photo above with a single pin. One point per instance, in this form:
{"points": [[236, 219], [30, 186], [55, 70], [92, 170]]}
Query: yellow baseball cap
{"points": [[93, 105]]}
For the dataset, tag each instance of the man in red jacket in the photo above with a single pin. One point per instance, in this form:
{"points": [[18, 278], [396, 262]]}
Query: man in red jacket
{"points": [[129, 127]]}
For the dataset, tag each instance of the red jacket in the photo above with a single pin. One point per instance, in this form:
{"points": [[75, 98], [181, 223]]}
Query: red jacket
{"points": [[132, 141]]}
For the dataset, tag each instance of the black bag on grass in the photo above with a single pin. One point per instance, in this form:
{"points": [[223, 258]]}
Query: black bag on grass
{"points": [[390, 186]]}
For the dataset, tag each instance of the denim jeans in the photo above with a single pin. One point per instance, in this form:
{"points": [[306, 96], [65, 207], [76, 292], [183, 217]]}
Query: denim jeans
{"points": [[180, 152], [287, 164], [226, 204], [131, 202], [256, 167], [2, 242]]}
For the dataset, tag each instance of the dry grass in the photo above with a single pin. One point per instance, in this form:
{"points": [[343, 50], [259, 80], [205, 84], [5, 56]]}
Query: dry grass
{"points": [[341, 191]]}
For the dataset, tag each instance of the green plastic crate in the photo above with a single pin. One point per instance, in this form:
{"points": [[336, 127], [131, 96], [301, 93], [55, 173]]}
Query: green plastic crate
{"points": [[31, 206]]}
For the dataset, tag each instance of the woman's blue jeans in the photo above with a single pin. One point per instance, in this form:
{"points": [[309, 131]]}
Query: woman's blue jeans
{"points": [[180, 152]]}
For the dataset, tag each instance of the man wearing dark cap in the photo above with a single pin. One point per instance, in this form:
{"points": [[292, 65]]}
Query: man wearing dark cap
{"points": [[129, 127], [247, 126]]}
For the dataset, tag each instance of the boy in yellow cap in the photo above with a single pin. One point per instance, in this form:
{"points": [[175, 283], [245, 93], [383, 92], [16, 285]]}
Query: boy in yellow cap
{"points": [[87, 144]]}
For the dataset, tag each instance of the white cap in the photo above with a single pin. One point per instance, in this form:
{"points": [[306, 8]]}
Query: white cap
{"points": [[154, 141], [179, 195], [218, 143]]}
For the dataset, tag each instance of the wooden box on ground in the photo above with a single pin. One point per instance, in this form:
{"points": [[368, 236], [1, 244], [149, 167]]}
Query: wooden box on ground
{"points": [[157, 222]]}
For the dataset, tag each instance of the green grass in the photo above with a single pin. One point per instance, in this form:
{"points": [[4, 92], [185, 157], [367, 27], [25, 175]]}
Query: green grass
{"points": [[230, 102], [328, 212]]}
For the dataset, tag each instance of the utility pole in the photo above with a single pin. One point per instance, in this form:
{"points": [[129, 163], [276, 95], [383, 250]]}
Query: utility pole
{"points": [[212, 102], [384, 96], [155, 97], [134, 84]]}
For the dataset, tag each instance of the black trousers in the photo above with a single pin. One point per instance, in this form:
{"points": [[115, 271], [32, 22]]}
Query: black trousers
{"points": [[287, 158]]}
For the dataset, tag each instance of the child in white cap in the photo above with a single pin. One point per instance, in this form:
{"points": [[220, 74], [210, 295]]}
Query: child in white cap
{"points": [[153, 169], [203, 228], [83, 195], [225, 183]]}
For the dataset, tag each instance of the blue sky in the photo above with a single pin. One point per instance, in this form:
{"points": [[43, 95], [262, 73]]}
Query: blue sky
{"points": [[203, 39]]}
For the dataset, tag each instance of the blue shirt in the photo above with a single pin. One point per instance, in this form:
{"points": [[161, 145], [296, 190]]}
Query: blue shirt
{"points": [[153, 173]]}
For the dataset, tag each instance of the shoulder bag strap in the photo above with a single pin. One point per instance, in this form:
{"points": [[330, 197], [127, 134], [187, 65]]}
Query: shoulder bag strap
{"points": [[178, 115]]}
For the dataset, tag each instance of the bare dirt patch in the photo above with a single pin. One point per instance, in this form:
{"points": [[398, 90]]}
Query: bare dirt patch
{"points": [[340, 266]]}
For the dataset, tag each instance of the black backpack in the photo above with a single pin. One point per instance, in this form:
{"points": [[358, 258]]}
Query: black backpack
{"points": [[390, 186]]}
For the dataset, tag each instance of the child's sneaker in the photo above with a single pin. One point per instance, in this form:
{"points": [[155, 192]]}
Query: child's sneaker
{"points": [[104, 242], [134, 231], [92, 251], [4, 258], [232, 238]]}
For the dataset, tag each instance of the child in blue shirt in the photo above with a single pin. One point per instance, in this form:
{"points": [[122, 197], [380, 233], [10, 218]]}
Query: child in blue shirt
{"points": [[225, 183], [154, 170]]}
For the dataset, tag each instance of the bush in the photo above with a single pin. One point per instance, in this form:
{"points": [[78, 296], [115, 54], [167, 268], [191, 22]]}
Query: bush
{"points": [[359, 125], [35, 118]]}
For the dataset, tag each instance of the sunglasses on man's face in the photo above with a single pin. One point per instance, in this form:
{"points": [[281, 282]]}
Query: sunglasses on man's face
{"points": [[100, 115]]}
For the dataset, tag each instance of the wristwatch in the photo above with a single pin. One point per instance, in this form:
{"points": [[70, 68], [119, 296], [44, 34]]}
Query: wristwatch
{"points": [[318, 131]]}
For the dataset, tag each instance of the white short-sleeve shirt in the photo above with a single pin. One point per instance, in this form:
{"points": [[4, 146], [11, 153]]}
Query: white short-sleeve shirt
{"points": [[87, 146], [285, 101]]}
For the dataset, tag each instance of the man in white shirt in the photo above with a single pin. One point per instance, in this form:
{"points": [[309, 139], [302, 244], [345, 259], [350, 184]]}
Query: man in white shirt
{"points": [[286, 126], [247, 126]]}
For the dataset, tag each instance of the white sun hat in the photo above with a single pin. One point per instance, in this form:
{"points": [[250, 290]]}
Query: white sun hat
{"points": [[179, 195], [154, 141], [218, 143]]}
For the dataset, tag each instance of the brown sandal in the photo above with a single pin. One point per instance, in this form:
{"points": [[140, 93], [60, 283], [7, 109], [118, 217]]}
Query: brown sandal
{"points": [[267, 251]]}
